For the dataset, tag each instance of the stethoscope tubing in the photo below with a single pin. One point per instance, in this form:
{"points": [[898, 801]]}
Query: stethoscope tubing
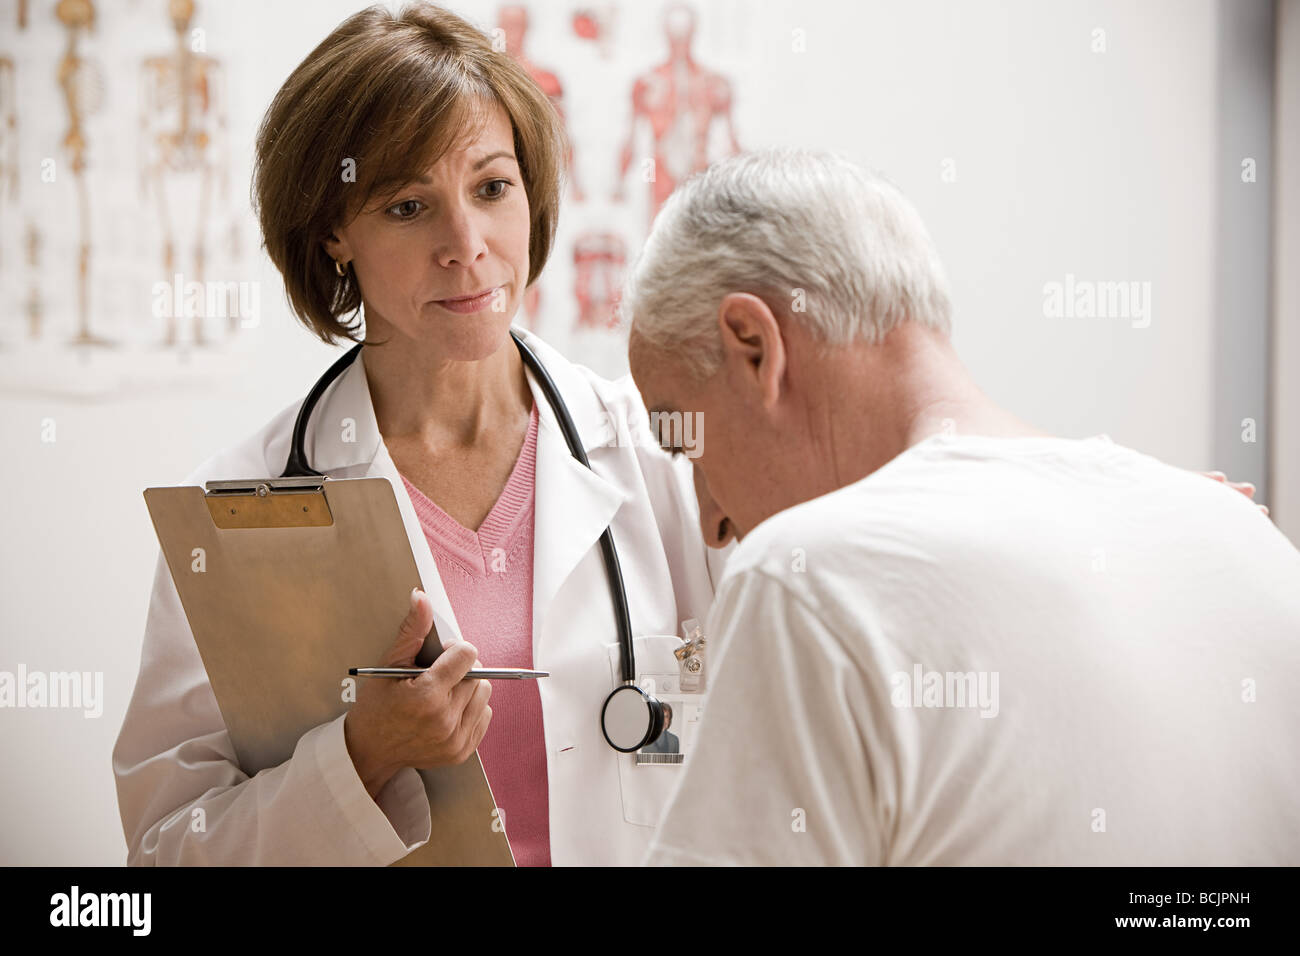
{"points": [[298, 466]]}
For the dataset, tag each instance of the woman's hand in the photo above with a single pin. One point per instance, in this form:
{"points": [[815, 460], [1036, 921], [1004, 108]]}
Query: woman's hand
{"points": [[432, 720], [1245, 487]]}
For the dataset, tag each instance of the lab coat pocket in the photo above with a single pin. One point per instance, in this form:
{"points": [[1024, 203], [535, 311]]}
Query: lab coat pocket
{"points": [[647, 779]]}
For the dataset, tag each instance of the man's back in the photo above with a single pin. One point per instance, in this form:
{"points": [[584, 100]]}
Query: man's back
{"points": [[1003, 651]]}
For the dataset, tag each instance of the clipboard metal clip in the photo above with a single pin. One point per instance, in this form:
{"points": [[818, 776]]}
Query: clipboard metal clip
{"points": [[264, 486], [269, 503]]}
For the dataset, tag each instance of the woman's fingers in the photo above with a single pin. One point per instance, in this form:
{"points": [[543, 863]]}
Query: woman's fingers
{"points": [[411, 632], [1245, 487]]}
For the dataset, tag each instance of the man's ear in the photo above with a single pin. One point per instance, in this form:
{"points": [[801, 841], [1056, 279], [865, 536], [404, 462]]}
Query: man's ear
{"points": [[752, 346]]}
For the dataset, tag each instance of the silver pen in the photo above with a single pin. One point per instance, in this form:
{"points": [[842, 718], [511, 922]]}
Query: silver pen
{"points": [[499, 673]]}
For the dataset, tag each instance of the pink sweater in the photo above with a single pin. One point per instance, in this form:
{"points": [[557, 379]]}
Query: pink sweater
{"points": [[488, 577]]}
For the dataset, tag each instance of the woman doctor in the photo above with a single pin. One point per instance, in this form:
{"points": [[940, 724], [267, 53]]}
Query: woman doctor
{"points": [[409, 170]]}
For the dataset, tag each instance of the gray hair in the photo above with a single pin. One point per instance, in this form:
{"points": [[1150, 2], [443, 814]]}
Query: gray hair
{"points": [[818, 237]]}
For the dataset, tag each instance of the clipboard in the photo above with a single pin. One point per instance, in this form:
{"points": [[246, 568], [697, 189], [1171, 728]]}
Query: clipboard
{"points": [[286, 583]]}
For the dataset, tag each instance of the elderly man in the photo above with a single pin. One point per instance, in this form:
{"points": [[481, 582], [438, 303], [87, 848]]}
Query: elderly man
{"points": [[944, 637]]}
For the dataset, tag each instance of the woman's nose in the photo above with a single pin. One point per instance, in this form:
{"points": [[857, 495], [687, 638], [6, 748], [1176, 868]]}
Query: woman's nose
{"points": [[461, 239]]}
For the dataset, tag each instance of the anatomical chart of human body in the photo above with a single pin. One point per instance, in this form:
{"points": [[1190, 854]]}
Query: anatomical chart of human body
{"points": [[128, 258]]}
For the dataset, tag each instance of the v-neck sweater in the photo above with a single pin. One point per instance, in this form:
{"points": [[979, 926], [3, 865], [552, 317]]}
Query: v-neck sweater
{"points": [[488, 577]]}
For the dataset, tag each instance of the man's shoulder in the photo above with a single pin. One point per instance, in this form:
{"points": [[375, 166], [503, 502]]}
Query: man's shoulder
{"points": [[859, 518], [969, 509], [941, 507]]}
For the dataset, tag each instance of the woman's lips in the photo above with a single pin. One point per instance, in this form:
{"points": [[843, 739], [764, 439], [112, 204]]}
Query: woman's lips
{"points": [[466, 306]]}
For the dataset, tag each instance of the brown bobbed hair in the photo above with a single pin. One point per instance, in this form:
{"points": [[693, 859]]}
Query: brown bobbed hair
{"points": [[392, 93]]}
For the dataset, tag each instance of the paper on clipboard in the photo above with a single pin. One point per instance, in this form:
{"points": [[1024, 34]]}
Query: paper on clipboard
{"points": [[287, 583]]}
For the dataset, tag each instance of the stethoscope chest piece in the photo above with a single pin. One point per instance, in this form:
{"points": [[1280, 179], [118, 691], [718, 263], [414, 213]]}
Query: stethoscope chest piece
{"points": [[631, 718]]}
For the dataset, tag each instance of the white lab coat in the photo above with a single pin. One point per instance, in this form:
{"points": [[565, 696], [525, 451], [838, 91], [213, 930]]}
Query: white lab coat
{"points": [[173, 755]]}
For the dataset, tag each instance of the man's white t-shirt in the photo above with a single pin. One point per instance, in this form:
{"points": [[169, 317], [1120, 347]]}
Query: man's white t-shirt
{"points": [[1002, 651]]}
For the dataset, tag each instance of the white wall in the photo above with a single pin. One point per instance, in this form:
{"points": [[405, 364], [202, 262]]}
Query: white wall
{"points": [[1096, 164], [1285, 439]]}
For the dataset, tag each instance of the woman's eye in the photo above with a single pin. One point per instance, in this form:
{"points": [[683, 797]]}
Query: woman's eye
{"points": [[500, 193], [405, 204]]}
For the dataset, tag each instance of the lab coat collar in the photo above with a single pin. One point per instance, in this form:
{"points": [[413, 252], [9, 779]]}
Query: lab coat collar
{"points": [[345, 433], [573, 505]]}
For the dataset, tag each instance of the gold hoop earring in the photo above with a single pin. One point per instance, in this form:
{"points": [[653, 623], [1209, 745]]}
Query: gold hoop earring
{"points": [[338, 267]]}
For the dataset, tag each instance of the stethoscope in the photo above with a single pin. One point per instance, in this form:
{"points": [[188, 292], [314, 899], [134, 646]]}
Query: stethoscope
{"points": [[630, 718]]}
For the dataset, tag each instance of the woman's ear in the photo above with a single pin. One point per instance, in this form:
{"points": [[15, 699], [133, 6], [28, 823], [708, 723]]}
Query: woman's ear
{"points": [[336, 248]]}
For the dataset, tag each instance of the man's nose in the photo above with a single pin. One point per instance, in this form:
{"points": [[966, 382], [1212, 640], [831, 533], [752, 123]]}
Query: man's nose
{"points": [[715, 527]]}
